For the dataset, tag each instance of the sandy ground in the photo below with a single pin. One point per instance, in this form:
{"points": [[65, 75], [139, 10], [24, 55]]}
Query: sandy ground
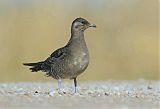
{"points": [[139, 94]]}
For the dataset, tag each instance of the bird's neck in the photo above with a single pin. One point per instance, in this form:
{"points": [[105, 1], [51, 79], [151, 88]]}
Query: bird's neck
{"points": [[77, 39], [77, 35]]}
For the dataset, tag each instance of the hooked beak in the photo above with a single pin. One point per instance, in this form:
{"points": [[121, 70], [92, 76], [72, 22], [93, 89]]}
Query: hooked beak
{"points": [[92, 25]]}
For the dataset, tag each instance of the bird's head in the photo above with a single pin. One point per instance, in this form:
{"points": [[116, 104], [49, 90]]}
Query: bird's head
{"points": [[80, 24]]}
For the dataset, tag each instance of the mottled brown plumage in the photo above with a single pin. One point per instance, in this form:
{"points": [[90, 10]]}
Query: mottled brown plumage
{"points": [[69, 61]]}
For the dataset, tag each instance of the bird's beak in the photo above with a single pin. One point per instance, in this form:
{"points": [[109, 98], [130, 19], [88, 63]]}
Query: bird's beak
{"points": [[92, 25]]}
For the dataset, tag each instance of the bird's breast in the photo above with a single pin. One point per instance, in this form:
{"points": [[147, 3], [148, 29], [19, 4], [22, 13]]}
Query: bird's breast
{"points": [[81, 60], [79, 56]]}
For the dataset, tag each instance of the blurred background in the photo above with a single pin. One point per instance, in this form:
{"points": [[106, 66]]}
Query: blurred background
{"points": [[124, 46]]}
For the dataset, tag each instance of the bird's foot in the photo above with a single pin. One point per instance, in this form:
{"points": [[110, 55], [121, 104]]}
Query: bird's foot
{"points": [[61, 92], [76, 92]]}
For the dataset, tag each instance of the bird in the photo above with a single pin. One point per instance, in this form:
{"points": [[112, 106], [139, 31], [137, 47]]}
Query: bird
{"points": [[69, 61]]}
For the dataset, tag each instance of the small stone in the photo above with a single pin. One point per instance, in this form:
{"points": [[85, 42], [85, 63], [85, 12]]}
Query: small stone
{"points": [[149, 87], [36, 92], [106, 94], [137, 96], [118, 93], [51, 93], [89, 93]]}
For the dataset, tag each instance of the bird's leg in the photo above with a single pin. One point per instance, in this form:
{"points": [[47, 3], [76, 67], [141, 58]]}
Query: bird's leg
{"points": [[59, 85], [75, 85]]}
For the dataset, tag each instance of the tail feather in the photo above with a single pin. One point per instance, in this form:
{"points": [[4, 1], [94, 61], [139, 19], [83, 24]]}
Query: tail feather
{"points": [[29, 64], [35, 66]]}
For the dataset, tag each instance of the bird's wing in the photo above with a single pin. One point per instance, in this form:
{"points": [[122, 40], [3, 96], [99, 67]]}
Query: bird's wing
{"points": [[59, 53], [54, 58]]}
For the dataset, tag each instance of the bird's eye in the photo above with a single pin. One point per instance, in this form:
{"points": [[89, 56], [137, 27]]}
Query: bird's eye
{"points": [[83, 22]]}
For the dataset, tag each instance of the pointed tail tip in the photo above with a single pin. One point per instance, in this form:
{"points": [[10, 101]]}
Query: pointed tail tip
{"points": [[29, 64], [24, 63]]}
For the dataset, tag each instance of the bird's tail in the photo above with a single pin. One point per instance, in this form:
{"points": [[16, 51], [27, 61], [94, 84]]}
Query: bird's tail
{"points": [[35, 67]]}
